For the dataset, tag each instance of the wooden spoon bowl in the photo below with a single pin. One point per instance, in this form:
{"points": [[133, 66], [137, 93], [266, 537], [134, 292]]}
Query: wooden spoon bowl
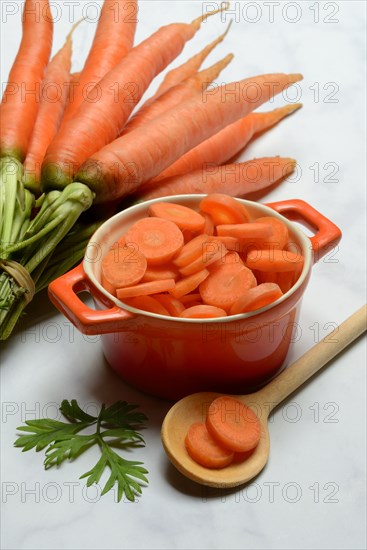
{"points": [[194, 409]]}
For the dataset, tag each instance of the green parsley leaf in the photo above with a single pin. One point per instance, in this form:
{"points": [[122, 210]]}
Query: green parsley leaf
{"points": [[122, 472], [116, 427]]}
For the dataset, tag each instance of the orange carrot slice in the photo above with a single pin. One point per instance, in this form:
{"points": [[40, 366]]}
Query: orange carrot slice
{"points": [[120, 242], [274, 260], [266, 276], [287, 279], [148, 303], [123, 266], [191, 250], [188, 235], [160, 272], [231, 257], [232, 424], [224, 209], [203, 312], [158, 239], [226, 284], [204, 449], [144, 289], [208, 257], [280, 235], [231, 243], [209, 227], [193, 297], [246, 230], [257, 297], [174, 306], [182, 216], [188, 284]]}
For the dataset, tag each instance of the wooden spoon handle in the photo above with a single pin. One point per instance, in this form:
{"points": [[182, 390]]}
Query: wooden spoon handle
{"points": [[314, 359]]}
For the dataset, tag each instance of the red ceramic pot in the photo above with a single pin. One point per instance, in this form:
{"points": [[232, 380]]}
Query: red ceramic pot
{"points": [[172, 357]]}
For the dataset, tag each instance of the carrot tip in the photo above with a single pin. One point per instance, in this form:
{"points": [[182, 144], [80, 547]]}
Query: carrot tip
{"points": [[295, 77], [197, 22], [223, 63], [290, 165], [291, 108], [222, 36], [69, 36]]}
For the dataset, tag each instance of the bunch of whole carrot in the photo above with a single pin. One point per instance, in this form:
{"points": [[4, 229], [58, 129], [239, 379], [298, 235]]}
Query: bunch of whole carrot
{"points": [[62, 152]]}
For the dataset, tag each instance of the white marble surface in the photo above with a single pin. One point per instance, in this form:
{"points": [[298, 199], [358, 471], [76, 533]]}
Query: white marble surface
{"points": [[312, 492]]}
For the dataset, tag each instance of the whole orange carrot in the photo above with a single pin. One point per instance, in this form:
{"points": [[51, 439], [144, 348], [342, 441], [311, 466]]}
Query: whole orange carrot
{"points": [[20, 101], [182, 91], [114, 38], [120, 167], [55, 89], [103, 115], [227, 143], [237, 180]]}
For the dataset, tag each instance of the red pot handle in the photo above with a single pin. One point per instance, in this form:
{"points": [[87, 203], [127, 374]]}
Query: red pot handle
{"points": [[63, 294], [327, 233]]}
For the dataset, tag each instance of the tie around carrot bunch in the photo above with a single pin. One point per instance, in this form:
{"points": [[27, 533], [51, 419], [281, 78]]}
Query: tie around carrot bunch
{"points": [[75, 143]]}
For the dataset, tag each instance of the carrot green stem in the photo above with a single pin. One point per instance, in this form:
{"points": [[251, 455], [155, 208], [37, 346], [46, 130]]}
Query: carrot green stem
{"points": [[27, 246], [16, 203]]}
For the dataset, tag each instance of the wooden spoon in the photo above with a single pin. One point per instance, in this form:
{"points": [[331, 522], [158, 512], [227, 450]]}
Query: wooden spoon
{"points": [[194, 408]]}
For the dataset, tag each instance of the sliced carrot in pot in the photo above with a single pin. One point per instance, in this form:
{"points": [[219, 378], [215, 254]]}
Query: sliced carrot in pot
{"points": [[209, 227], [203, 312], [122, 266], [211, 253], [231, 243], [188, 284], [226, 284], [145, 289], [182, 216], [190, 251], [157, 273], [256, 298], [148, 303], [287, 279], [224, 209], [246, 230], [158, 239], [174, 306], [193, 296], [274, 260], [280, 236]]}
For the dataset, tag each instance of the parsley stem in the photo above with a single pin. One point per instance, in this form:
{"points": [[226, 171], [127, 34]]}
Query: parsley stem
{"points": [[99, 419]]}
